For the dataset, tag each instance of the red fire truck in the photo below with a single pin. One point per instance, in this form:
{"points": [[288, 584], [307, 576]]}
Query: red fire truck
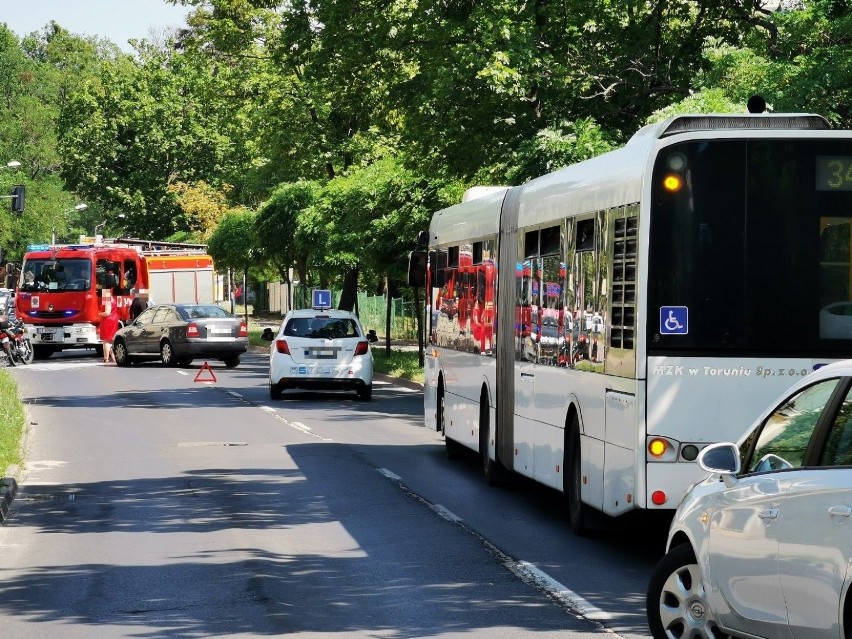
{"points": [[62, 289]]}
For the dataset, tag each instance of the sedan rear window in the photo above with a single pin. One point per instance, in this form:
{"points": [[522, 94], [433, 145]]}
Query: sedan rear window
{"points": [[321, 328], [200, 312]]}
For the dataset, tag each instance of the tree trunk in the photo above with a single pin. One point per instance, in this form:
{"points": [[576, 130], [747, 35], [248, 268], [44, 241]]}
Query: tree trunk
{"points": [[388, 308], [419, 318], [349, 295]]}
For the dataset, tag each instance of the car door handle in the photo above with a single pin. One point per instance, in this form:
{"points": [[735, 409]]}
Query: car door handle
{"points": [[768, 513], [527, 376], [839, 511]]}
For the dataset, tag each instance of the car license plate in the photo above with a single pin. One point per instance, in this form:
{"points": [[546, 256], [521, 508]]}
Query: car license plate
{"points": [[321, 353], [45, 329], [218, 329]]}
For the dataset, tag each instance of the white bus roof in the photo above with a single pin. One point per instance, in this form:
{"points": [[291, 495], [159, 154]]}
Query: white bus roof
{"points": [[615, 178]]}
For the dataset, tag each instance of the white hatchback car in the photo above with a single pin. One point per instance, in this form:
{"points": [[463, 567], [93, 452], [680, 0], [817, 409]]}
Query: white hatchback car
{"points": [[762, 547], [320, 349]]}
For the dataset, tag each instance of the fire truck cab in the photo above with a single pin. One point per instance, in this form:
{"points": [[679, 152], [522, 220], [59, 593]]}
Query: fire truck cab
{"points": [[63, 288]]}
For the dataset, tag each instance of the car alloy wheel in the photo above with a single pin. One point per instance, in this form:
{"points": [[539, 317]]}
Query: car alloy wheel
{"points": [[676, 601]]}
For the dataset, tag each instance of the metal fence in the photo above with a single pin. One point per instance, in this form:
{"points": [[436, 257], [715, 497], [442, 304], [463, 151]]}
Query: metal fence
{"points": [[372, 311]]}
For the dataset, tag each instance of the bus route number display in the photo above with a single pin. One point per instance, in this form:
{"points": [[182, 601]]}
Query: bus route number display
{"points": [[833, 173]]}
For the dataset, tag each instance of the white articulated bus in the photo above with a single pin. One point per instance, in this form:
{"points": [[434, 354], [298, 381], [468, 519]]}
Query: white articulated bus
{"points": [[596, 327]]}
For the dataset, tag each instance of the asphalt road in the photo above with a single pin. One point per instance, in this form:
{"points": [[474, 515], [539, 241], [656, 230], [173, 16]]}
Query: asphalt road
{"points": [[155, 505]]}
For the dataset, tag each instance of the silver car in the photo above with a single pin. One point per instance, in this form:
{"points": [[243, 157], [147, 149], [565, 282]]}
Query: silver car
{"points": [[763, 546]]}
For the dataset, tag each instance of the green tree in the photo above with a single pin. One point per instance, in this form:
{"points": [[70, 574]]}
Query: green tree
{"points": [[286, 242], [143, 127]]}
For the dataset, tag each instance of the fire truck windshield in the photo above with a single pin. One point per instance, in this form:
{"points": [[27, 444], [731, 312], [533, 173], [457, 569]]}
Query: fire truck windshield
{"points": [[63, 274]]}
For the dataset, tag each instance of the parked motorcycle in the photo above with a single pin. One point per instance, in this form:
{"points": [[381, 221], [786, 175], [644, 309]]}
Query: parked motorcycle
{"points": [[16, 346], [22, 348]]}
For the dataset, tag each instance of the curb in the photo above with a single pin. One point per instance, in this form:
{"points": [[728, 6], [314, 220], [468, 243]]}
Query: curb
{"points": [[399, 381], [8, 489]]}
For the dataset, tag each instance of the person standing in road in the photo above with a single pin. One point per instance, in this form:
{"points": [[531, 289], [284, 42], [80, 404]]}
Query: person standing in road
{"points": [[108, 327], [137, 305]]}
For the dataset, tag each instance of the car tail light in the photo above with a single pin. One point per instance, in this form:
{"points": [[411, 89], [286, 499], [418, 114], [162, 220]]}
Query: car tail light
{"points": [[243, 330], [192, 330], [363, 348], [281, 346]]}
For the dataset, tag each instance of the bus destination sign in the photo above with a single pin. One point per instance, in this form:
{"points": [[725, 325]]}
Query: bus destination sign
{"points": [[834, 173]]}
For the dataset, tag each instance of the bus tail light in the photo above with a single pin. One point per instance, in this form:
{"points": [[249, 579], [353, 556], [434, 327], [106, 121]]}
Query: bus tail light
{"points": [[192, 330], [281, 346], [661, 449], [362, 348]]}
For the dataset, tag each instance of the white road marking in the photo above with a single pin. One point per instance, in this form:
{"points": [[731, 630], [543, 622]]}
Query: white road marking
{"points": [[389, 474], [54, 366], [560, 592], [446, 514], [524, 570]]}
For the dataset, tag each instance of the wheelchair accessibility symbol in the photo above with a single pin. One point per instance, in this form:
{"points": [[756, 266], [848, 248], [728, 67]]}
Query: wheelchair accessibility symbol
{"points": [[674, 320]]}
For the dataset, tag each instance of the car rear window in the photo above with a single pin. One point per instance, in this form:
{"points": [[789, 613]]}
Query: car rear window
{"points": [[200, 312], [321, 327]]}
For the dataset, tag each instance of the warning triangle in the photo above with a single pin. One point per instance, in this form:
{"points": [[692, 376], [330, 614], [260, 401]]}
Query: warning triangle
{"points": [[210, 378]]}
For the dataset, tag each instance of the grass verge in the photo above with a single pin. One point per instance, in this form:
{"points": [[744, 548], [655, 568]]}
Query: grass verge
{"points": [[402, 364], [11, 423]]}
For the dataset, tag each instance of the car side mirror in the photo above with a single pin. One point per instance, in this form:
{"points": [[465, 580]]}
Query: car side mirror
{"points": [[722, 459], [267, 334], [371, 336]]}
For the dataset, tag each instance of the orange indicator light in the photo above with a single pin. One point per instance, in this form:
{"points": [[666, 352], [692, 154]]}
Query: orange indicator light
{"points": [[657, 447], [672, 183]]}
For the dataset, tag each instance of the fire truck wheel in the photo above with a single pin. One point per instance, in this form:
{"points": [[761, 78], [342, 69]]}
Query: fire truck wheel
{"points": [[167, 353]]}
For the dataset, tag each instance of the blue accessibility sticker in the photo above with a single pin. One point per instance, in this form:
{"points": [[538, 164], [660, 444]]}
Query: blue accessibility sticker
{"points": [[674, 320]]}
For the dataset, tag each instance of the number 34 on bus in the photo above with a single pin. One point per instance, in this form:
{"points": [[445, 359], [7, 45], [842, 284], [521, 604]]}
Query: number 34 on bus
{"points": [[558, 308]]}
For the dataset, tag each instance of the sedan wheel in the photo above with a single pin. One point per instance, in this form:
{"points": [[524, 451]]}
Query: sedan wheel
{"points": [[167, 354], [676, 601], [232, 362], [119, 349]]}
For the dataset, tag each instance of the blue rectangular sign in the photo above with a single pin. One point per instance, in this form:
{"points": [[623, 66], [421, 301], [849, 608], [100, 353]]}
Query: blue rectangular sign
{"points": [[322, 298], [674, 320]]}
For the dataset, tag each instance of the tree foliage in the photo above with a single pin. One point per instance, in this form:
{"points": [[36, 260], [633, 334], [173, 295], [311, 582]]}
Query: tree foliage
{"points": [[346, 123]]}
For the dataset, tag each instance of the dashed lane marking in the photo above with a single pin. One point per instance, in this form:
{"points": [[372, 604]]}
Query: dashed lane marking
{"points": [[527, 572]]}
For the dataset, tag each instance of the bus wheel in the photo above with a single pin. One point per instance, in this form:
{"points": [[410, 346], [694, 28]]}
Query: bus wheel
{"points": [[490, 467], [572, 479]]}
